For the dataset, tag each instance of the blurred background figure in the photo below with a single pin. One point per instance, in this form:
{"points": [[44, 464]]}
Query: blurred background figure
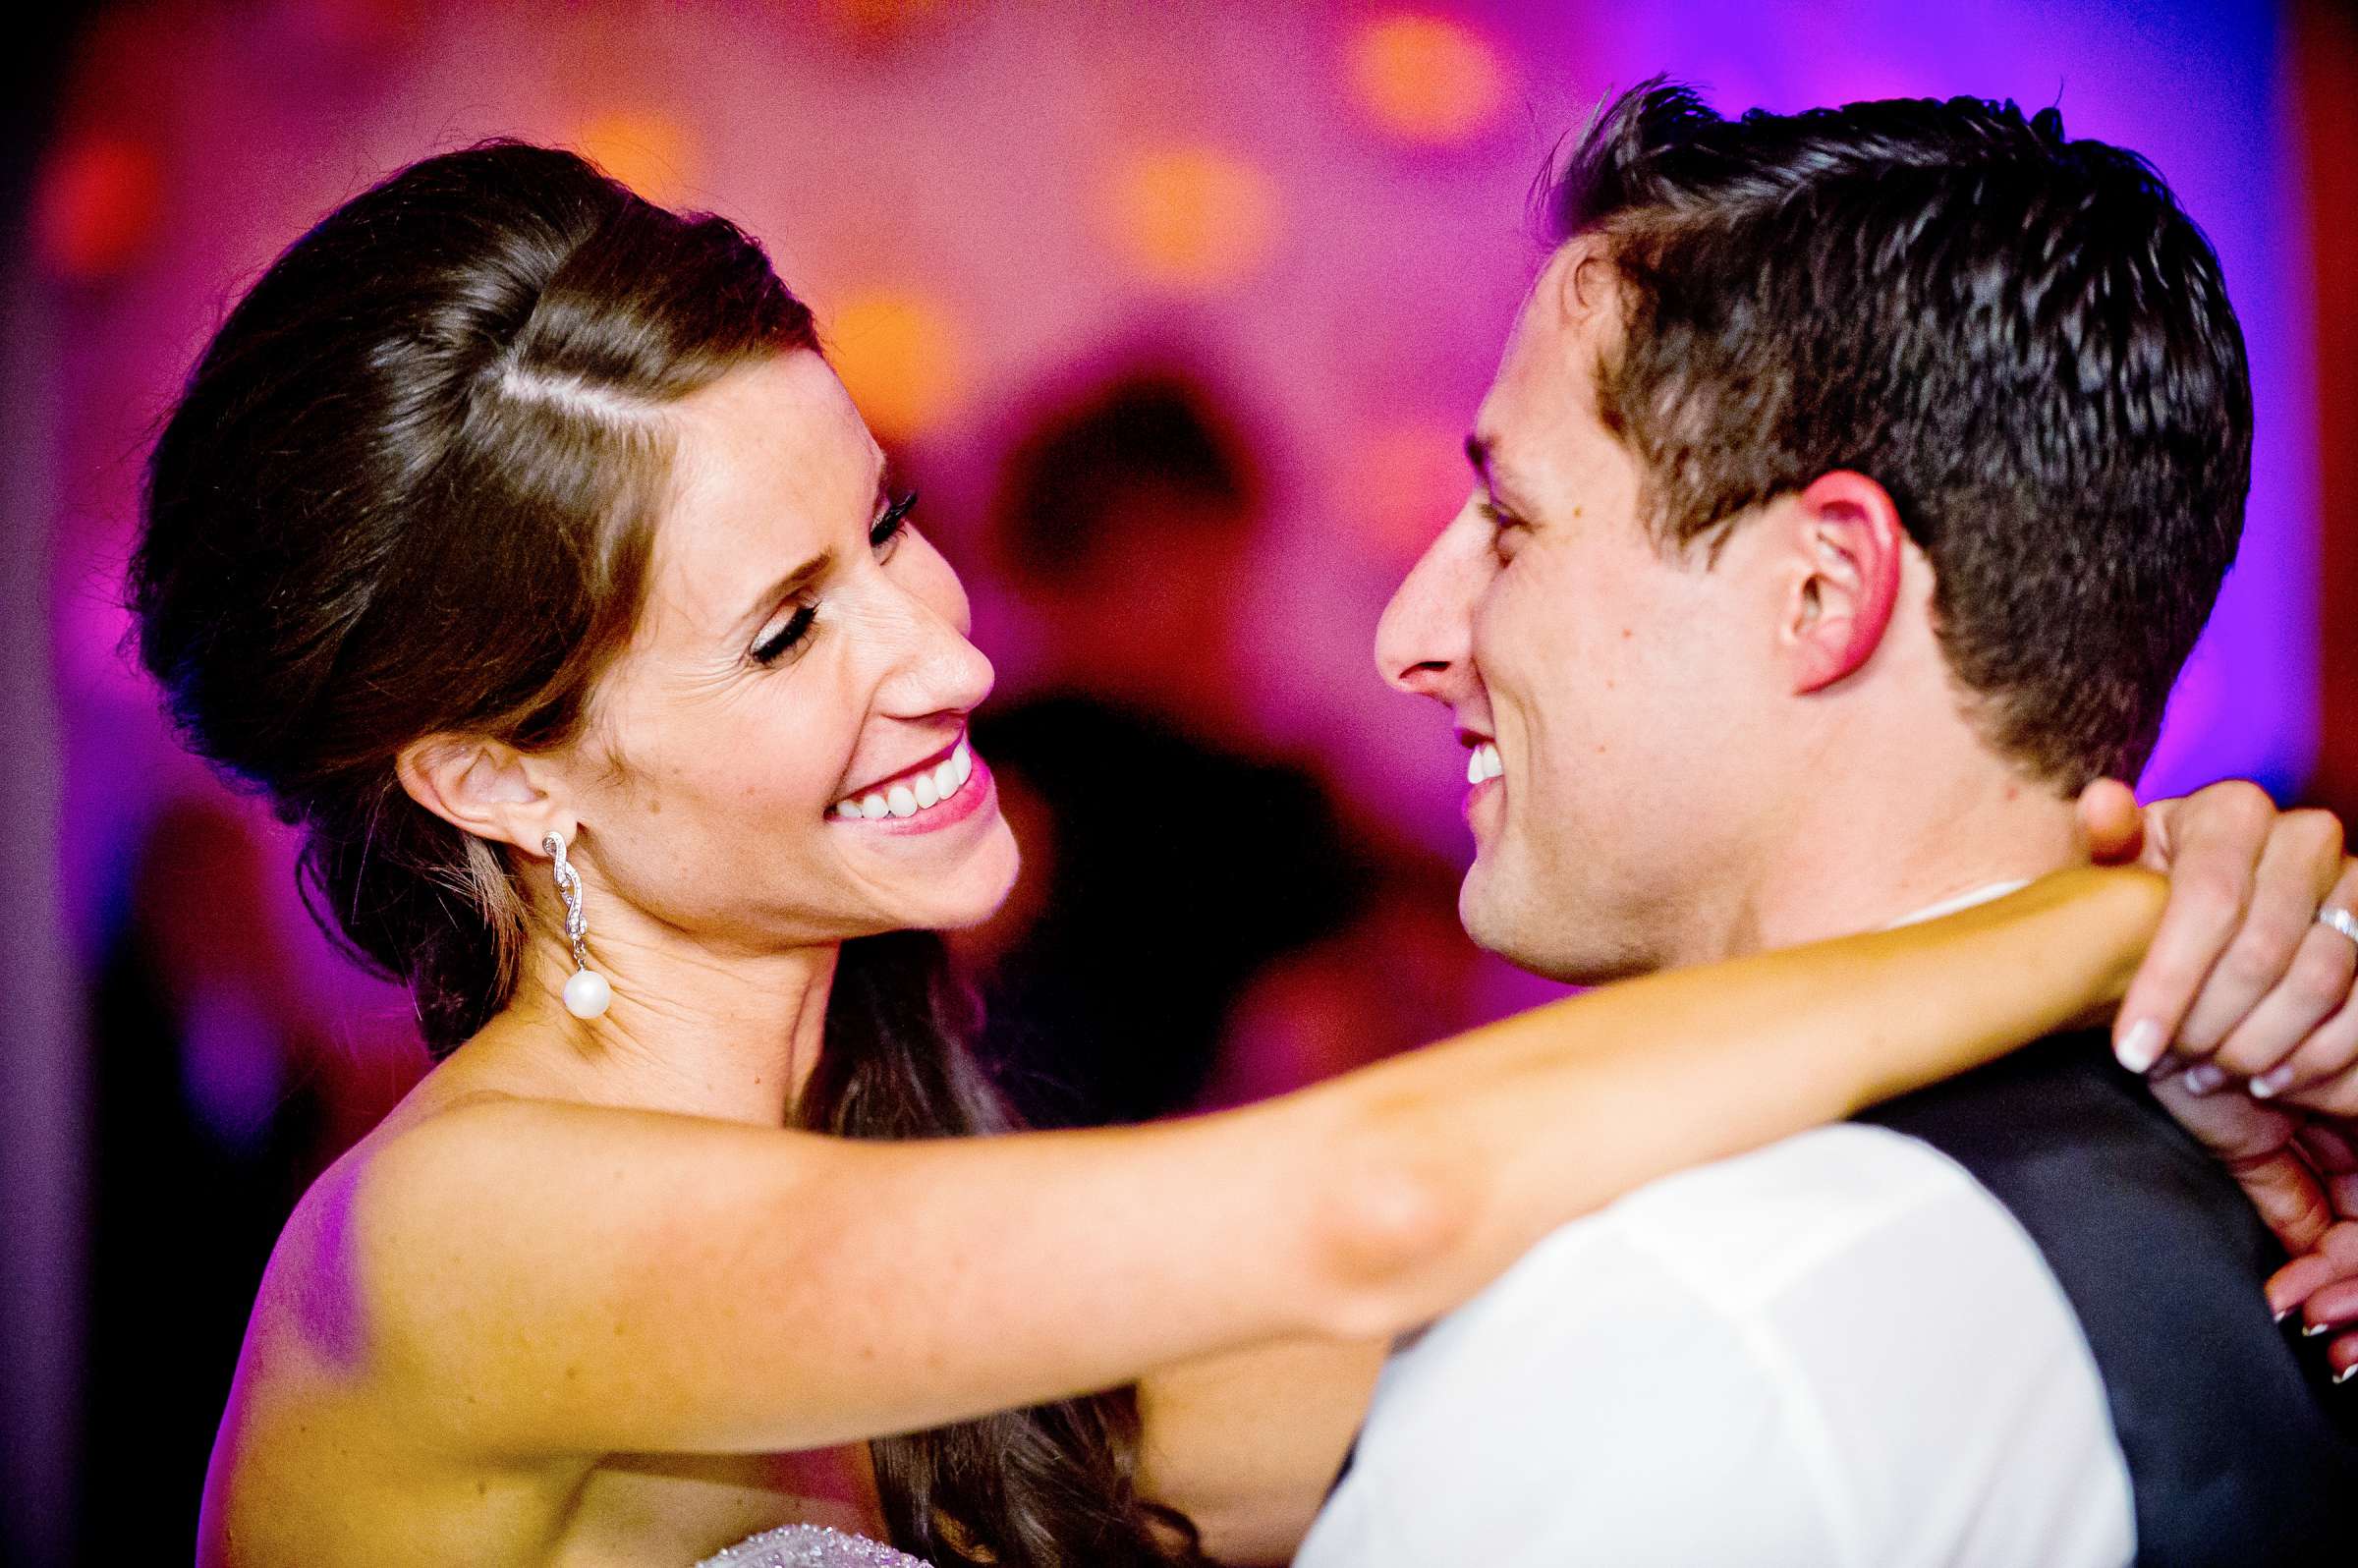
{"points": [[1169, 850], [217, 1097], [1179, 312]]}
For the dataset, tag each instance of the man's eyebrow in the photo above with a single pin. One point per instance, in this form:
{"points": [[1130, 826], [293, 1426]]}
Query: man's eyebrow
{"points": [[1483, 452], [1478, 452]]}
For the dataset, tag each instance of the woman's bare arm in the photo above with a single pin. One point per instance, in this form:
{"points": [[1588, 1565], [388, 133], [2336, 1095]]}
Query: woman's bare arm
{"points": [[535, 1278]]}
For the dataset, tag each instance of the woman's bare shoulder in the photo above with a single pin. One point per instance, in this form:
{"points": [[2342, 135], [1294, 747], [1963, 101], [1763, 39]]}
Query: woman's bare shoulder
{"points": [[321, 1421], [313, 1310], [478, 1210]]}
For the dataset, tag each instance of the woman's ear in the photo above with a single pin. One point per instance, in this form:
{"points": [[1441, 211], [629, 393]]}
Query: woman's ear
{"points": [[1846, 580], [485, 788]]}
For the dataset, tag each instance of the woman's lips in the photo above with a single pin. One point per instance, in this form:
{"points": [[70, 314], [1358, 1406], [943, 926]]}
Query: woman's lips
{"points": [[923, 798]]}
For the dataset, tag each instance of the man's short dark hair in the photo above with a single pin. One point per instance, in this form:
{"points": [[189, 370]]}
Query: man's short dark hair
{"points": [[2024, 339]]}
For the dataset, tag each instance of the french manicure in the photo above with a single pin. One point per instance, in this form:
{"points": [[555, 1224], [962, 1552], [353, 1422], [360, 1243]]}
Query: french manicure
{"points": [[2287, 1312], [2141, 1046], [2311, 1330], [2272, 1081], [2344, 1375], [2203, 1076]]}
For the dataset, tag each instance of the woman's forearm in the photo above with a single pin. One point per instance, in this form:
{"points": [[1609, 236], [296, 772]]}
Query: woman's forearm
{"points": [[1489, 1142], [659, 1282]]}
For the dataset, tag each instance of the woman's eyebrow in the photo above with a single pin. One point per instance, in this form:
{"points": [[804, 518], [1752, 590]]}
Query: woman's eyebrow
{"points": [[819, 565], [785, 588]]}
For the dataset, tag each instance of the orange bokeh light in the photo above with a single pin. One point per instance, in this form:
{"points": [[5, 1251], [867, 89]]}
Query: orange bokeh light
{"points": [[653, 155], [897, 353], [1426, 80], [878, 21], [1193, 218], [98, 204]]}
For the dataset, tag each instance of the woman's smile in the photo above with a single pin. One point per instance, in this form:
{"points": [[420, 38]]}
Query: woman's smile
{"points": [[949, 787]]}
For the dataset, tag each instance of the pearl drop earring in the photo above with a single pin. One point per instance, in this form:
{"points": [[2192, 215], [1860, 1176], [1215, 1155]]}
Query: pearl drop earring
{"points": [[587, 992]]}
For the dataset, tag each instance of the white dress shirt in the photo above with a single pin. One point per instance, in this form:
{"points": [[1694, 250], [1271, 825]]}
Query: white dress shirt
{"points": [[1838, 1352]]}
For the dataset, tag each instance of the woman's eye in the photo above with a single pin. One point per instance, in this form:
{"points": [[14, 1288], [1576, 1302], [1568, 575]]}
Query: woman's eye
{"points": [[883, 535], [787, 637], [888, 528]]}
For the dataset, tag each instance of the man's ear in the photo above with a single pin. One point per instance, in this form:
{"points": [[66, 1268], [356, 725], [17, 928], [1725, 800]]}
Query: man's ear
{"points": [[485, 788], [1846, 578]]}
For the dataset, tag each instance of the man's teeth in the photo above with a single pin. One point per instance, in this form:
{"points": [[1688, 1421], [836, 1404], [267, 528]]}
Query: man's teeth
{"points": [[1483, 763], [914, 795]]}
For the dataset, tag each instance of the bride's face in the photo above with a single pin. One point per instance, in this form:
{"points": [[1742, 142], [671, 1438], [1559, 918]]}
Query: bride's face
{"points": [[780, 755]]}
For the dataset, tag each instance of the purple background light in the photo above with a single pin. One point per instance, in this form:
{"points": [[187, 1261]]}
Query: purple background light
{"points": [[1325, 206]]}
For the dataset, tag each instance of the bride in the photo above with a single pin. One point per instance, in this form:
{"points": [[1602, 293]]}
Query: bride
{"points": [[515, 539]]}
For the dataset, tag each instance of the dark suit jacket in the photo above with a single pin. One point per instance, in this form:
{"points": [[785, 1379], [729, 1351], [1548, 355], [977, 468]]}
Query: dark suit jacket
{"points": [[2239, 1453]]}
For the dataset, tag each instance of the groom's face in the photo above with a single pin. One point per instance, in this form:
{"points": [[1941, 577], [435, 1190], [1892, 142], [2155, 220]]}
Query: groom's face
{"points": [[1619, 688]]}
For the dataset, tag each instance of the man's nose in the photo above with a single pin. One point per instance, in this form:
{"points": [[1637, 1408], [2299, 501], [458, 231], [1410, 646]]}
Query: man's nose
{"points": [[1424, 644]]}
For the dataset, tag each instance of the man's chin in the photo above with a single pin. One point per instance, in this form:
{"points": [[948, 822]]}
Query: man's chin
{"points": [[1501, 923], [1547, 939]]}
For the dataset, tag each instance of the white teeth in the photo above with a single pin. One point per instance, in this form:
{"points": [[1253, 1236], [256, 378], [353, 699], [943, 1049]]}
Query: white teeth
{"points": [[1473, 772], [916, 792], [1483, 763]]}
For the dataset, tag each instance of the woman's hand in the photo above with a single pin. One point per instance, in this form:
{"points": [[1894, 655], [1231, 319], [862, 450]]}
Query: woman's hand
{"points": [[2243, 987], [2300, 1170], [2241, 977]]}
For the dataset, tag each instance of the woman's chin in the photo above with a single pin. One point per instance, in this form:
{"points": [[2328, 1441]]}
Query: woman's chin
{"points": [[969, 893]]}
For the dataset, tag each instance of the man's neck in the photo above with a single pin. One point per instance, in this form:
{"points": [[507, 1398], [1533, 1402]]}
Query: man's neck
{"points": [[1862, 858]]}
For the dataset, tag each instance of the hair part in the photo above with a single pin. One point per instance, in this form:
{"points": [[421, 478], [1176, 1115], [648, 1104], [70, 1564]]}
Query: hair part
{"points": [[2024, 339]]}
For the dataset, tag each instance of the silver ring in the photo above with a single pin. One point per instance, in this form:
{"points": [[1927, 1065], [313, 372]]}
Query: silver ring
{"points": [[2339, 920]]}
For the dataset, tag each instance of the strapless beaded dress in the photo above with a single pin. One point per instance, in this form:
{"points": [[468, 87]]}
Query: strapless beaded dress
{"points": [[811, 1547]]}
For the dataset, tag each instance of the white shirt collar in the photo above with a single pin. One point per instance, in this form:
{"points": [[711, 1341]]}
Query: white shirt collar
{"points": [[1966, 900]]}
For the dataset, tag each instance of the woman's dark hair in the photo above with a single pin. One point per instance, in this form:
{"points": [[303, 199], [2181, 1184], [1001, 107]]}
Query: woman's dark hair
{"points": [[409, 490]]}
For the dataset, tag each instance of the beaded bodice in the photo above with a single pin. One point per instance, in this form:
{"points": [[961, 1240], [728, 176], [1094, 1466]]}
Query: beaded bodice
{"points": [[811, 1547]]}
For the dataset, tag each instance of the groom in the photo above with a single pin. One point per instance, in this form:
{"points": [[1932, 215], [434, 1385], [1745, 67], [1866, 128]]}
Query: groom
{"points": [[1852, 489]]}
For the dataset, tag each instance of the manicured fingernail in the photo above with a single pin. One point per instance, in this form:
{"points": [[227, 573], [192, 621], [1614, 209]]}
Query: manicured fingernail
{"points": [[2141, 1046], [2311, 1330], [2272, 1081], [2202, 1078], [2346, 1374], [2286, 1313]]}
